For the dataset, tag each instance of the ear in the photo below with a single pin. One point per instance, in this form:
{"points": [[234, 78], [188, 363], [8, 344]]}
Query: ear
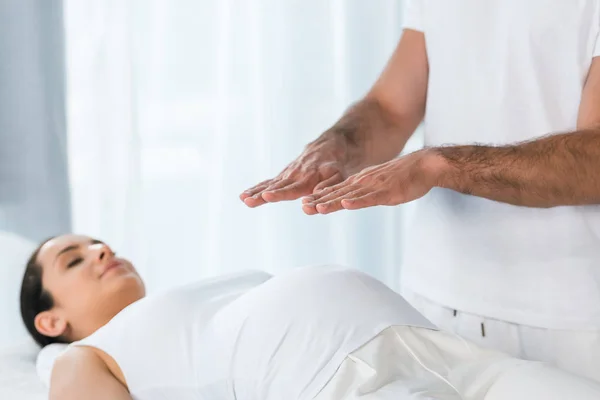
{"points": [[49, 323]]}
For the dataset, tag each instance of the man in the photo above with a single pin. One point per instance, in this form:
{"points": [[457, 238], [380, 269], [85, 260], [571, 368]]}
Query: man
{"points": [[505, 247]]}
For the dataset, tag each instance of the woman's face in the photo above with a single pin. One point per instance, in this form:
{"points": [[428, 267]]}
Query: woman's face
{"points": [[88, 283]]}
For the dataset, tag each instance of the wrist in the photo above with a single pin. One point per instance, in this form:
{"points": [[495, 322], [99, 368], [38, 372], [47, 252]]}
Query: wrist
{"points": [[438, 168], [336, 143]]}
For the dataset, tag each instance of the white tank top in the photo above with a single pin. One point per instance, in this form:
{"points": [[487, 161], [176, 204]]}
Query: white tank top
{"points": [[505, 71], [281, 340]]}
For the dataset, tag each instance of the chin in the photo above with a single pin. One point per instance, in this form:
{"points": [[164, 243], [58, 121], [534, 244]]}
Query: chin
{"points": [[130, 287]]}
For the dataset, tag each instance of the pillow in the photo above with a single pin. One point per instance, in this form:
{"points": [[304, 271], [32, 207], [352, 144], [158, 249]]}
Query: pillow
{"points": [[18, 378], [212, 289], [14, 253]]}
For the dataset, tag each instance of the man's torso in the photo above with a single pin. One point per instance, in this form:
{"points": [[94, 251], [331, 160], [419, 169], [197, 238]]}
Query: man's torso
{"points": [[504, 71]]}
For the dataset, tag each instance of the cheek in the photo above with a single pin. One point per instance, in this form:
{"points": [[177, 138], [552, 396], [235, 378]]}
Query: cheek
{"points": [[77, 292], [87, 303]]}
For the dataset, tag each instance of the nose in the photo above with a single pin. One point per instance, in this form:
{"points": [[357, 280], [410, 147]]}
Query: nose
{"points": [[100, 250]]}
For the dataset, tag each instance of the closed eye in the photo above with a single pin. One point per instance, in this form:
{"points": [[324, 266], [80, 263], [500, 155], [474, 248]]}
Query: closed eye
{"points": [[75, 262]]}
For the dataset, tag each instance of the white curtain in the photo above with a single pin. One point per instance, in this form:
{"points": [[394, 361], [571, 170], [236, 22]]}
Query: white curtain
{"points": [[176, 106]]}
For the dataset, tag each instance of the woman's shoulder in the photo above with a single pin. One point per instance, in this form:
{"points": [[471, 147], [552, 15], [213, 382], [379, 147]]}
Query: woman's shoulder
{"points": [[76, 360], [82, 372]]}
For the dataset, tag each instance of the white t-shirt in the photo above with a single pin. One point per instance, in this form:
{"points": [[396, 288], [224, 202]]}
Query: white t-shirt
{"points": [[504, 71], [281, 340]]}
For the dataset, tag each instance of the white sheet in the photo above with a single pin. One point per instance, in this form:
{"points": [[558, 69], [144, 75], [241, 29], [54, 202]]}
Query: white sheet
{"points": [[18, 377], [14, 252], [405, 363]]}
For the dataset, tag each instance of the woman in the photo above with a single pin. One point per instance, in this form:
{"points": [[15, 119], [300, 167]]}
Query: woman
{"points": [[314, 333]]}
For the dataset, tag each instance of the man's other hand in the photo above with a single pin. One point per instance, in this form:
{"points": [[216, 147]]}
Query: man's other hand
{"points": [[395, 182]]}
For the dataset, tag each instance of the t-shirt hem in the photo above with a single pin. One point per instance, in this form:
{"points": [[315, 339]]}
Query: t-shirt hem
{"points": [[413, 27], [509, 315]]}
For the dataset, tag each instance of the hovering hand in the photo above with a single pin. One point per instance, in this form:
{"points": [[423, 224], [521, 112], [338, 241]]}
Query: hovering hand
{"points": [[321, 165], [396, 182]]}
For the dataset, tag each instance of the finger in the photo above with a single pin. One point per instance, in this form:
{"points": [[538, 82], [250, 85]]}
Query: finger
{"points": [[318, 190], [279, 184], [254, 201], [326, 192], [310, 202], [332, 201], [335, 195], [368, 200], [292, 191], [257, 200], [309, 209], [336, 203], [333, 180], [255, 189]]}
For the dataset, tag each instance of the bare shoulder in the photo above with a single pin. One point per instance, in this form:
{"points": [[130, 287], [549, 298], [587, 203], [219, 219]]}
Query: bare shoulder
{"points": [[72, 370], [77, 357], [81, 371], [76, 361], [84, 358]]}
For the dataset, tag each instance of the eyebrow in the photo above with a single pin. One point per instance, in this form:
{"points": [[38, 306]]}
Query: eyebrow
{"points": [[76, 246]]}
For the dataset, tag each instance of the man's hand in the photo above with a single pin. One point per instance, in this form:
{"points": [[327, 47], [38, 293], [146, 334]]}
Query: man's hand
{"points": [[395, 182], [322, 164], [372, 131]]}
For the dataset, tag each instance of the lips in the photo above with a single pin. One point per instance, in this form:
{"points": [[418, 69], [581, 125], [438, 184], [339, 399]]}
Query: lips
{"points": [[111, 265]]}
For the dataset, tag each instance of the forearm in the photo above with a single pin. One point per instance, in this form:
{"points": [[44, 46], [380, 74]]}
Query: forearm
{"points": [[551, 171], [370, 134]]}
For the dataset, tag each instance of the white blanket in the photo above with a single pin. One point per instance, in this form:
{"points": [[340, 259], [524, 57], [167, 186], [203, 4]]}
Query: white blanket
{"points": [[404, 363]]}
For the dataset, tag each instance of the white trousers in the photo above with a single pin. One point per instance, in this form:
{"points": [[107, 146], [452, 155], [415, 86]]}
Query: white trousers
{"points": [[574, 351], [404, 363]]}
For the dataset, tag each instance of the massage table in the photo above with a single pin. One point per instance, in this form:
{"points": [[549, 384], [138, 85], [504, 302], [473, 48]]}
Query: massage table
{"points": [[25, 371]]}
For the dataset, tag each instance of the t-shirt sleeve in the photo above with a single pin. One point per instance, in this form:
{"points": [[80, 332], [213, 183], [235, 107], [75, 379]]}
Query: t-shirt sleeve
{"points": [[597, 46], [413, 16]]}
